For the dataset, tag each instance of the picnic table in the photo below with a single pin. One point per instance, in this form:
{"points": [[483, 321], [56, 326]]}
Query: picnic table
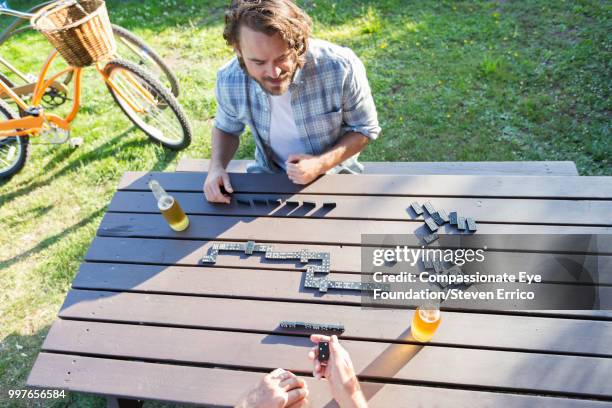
{"points": [[146, 320]]}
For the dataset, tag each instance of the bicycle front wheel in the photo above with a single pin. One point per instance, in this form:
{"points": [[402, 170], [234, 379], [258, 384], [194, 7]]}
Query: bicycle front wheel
{"points": [[148, 104], [133, 49], [13, 150]]}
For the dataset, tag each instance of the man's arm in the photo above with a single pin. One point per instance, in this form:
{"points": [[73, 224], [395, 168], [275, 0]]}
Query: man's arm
{"points": [[360, 125], [224, 146], [349, 145], [303, 168]]}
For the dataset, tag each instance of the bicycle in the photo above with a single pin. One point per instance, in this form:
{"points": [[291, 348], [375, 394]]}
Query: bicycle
{"points": [[147, 103], [130, 47]]}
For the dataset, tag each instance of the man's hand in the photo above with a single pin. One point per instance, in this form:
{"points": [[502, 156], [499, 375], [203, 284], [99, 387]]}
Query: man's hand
{"points": [[217, 177], [303, 168], [339, 372], [278, 389]]}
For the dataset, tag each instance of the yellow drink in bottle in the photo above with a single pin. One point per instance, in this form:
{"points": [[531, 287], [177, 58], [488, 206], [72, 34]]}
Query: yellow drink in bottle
{"points": [[173, 213], [169, 207]]}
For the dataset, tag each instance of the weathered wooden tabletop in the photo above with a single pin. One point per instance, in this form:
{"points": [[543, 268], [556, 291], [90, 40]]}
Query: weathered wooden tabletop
{"points": [[146, 320]]}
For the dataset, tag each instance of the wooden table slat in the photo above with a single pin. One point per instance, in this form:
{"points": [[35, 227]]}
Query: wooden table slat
{"points": [[340, 232], [591, 187], [221, 388], [343, 259], [270, 284], [540, 334], [541, 373], [492, 210]]}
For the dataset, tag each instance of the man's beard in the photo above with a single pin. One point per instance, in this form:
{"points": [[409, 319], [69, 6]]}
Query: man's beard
{"points": [[276, 88], [269, 87]]}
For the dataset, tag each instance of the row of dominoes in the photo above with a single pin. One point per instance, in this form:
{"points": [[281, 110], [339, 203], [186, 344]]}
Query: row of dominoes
{"points": [[304, 256], [324, 283], [278, 202], [326, 327], [250, 247]]}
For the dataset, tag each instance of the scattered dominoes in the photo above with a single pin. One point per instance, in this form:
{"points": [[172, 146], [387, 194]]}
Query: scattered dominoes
{"points": [[461, 223], [416, 207], [471, 224], [433, 227], [443, 216], [429, 207]]}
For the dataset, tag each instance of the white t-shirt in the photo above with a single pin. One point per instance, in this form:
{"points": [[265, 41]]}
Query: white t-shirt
{"points": [[284, 135]]}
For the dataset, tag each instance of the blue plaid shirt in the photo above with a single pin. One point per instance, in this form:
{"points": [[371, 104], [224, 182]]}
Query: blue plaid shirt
{"points": [[330, 96]]}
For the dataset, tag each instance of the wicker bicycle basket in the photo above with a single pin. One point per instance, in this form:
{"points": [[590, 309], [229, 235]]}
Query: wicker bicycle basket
{"points": [[80, 30]]}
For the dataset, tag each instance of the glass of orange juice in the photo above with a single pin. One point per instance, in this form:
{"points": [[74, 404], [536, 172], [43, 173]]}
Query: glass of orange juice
{"points": [[425, 322]]}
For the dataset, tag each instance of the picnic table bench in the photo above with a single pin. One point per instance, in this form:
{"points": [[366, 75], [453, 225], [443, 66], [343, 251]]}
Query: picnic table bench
{"points": [[146, 320]]}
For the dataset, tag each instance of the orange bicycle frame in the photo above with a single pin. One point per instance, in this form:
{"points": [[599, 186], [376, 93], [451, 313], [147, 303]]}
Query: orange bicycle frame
{"points": [[32, 125]]}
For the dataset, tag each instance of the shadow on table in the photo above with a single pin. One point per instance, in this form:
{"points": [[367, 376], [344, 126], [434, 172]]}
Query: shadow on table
{"points": [[390, 362]]}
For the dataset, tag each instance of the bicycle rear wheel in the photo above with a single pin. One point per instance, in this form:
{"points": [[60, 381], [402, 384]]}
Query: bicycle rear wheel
{"points": [[148, 104], [13, 150]]}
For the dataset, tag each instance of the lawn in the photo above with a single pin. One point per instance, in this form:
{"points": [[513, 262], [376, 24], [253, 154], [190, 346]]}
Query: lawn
{"points": [[452, 81]]}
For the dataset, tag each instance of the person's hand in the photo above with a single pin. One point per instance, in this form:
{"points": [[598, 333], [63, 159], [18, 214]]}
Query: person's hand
{"points": [[278, 389], [303, 168], [217, 177], [338, 371]]}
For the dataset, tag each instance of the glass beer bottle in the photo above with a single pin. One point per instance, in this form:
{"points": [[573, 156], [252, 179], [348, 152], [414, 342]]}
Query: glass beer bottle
{"points": [[425, 322], [169, 207]]}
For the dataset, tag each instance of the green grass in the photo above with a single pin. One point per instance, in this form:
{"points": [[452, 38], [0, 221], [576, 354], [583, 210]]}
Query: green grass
{"points": [[452, 81]]}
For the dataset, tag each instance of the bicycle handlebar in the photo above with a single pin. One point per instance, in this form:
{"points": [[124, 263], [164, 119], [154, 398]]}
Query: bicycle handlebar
{"points": [[5, 9], [10, 12]]}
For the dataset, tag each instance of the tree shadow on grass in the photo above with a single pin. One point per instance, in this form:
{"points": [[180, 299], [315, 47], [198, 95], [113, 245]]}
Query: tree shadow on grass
{"points": [[30, 214], [47, 242], [107, 149], [60, 157], [164, 157]]}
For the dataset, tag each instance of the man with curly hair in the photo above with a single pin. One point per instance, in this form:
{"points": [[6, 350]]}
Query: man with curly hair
{"points": [[307, 102]]}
